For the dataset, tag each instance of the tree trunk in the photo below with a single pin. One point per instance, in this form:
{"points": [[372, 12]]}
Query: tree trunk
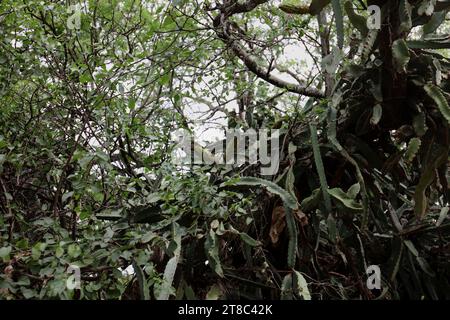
{"points": [[394, 83]]}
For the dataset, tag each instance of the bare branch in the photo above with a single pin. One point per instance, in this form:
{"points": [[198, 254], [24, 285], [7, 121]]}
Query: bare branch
{"points": [[266, 75], [222, 27]]}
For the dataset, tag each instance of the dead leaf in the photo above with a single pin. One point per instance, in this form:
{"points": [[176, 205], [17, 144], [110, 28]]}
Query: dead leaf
{"points": [[301, 217], [278, 224]]}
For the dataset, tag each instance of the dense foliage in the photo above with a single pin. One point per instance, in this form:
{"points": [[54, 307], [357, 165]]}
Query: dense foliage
{"points": [[91, 91]]}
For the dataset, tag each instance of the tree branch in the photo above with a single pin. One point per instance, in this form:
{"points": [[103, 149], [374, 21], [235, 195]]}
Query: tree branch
{"points": [[266, 75], [222, 27]]}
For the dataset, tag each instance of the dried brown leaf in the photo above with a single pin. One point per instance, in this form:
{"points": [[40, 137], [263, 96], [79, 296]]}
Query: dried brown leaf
{"points": [[278, 224]]}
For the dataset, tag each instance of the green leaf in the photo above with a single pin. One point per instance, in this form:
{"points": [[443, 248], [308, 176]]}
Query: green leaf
{"points": [[22, 244], [332, 137], [354, 190], [395, 258], [419, 124], [301, 286], [294, 285], [405, 11], [332, 229], [140, 275], [435, 22], [411, 247], [412, 149], [438, 73], [428, 44], [358, 21], [377, 113], [401, 55], [249, 240], [214, 293], [37, 250], [153, 197], [286, 288], [290, 221], [426, 7], [73, 250], [368, 44], [27, 293], [35, 253], [287, 198], [442, 216], [59, 252], [3, 144], [339, 20], [85, 78], [66, 196], [148, 236], [436, 94], [330, 63], [4, 253], [169, 273], [342, 197], [312, 202], [319, 167], [212, 252], [2, 160], [189, 292], [425, 266], [23, 281], [426, 179], [164, 79]]}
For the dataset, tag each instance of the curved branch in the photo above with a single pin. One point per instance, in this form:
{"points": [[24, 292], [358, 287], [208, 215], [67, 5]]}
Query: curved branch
{"points": [[247, 6], [222, 25], [266, 75]]}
